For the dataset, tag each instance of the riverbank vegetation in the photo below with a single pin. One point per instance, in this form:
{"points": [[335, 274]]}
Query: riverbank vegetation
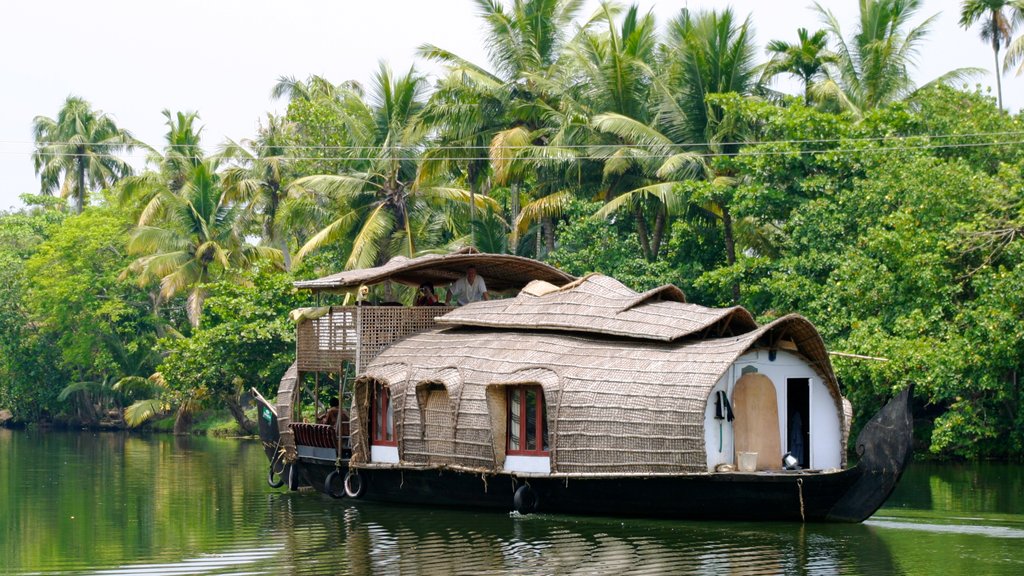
{"points": [[887, 213]]}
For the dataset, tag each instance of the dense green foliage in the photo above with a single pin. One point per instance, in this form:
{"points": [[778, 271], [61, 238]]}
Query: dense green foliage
{"points": [[888, 214]]}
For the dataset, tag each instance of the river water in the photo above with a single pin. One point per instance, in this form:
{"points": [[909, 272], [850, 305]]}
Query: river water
{"points": [[85, 503]]}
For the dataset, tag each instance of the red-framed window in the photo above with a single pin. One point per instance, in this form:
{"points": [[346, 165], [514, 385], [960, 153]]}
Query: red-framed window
{"points": [[527, 421], [382, 417]]}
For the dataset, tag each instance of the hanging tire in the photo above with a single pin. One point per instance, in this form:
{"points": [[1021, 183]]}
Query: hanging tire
{"points": [[329, 485], [270, 478], [353, 484], [292, 472], [525, 500]]}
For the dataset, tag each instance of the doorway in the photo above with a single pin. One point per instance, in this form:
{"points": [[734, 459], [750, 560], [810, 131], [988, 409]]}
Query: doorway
{"points": [[798, 420]]}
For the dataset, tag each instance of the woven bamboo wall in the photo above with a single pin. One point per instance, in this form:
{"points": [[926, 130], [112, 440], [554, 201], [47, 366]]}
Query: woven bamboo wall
{"points": [[617, 406], [613, 406]]}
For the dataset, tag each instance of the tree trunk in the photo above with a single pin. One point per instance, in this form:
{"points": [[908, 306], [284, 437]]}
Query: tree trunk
{"points": [[730, 249], [641, 231], [86, 409], [549, 234], [247, 426], [659, 232], [182, 421], [999, 75], [80, 180]]}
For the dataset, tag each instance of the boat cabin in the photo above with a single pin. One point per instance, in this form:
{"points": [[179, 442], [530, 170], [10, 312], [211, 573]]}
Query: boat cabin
{"points": [[594, 379]]}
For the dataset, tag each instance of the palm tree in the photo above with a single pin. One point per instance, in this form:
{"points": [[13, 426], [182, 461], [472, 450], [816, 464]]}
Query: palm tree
{"points": [[257, 180], [378, 198], [525, 40], [195, 241], [806, 59], [609, 71], [78, 150], [707, 53], [874, 65], [999, 19]]}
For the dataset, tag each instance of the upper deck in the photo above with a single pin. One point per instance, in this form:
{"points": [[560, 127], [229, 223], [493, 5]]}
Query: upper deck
{"points": [[357, 334]]}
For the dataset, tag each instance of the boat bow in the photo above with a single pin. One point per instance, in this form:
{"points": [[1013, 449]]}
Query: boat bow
{"points": [[884, 447]]}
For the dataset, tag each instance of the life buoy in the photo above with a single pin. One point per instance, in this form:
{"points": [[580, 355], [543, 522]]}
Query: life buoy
{"points": [[353, 484], [525, 500], [329, 487]]}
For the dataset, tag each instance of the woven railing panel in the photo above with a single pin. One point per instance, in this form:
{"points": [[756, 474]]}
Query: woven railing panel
{"points": [[323, 343]]}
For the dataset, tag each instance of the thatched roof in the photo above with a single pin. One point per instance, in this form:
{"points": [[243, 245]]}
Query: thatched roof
{"points": [[603, 305], [614, 405], [499, 271]]}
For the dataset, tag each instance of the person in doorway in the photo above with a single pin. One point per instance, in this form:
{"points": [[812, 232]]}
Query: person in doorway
{"points": [[470, 288]]}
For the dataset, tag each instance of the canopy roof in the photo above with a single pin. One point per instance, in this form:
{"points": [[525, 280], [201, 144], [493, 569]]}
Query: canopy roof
{"points": [[603, 305], [499, 271]]}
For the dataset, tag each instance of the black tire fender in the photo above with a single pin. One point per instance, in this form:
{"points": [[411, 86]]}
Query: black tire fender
{"points": [[353, 484], [271, 481], [333, 478], [525, 500]]}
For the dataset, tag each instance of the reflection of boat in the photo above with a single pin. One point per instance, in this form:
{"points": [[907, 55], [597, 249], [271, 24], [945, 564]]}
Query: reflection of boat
{"points": [[578, 396]]}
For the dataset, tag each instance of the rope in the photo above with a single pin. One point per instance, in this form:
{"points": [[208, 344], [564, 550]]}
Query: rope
{"points": [[483, 476], [800, 487]]}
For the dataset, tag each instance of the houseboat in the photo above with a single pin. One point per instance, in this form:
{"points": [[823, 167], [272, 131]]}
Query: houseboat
{"points": [[574, 396]]}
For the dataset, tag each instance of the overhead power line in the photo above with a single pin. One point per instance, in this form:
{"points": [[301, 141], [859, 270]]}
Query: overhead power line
{"points": [[635, 155], [682, 145]]}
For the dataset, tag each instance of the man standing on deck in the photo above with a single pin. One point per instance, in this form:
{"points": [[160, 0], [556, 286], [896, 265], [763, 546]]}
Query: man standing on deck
{"points": [[470, 288]]}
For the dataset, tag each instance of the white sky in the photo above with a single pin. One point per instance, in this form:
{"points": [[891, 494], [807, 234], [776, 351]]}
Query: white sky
{"points": [[133, 58]]}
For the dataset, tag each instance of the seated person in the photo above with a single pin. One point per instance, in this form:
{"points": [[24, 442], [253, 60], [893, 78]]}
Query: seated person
{"points": [[330, 417], [470, 288], [425, 296]]}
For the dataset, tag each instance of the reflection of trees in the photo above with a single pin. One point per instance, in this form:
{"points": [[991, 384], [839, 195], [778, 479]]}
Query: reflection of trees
{"points": [[78, 500]]}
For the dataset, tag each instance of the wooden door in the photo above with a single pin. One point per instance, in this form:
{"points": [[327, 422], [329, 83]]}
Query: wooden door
{"points": [[756, 426]]}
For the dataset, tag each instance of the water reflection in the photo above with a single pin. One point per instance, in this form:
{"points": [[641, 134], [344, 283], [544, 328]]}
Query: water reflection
{"points": [[129, 504], [365, 538]]}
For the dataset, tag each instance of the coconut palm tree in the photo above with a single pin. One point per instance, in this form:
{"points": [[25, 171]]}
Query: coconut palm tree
{"points": [[609, 69], [169, 170], [195, 240], [999, 19], [78, 150], [874, 64], [378, 199], [525, 40], [806, 59], [708, 52], [257, 179]]}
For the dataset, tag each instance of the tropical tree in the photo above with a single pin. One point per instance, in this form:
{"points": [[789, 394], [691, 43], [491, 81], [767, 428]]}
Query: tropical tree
{"points": [[169, 170], [806, 59], [999, 19], [78, 150], [708, 53], [874, 65], [525, 40], [257, 180], [196, 240], [378, 201]]}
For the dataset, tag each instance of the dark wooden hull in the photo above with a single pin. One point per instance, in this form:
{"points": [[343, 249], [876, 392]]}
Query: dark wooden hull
{"points": [[849, 495]]}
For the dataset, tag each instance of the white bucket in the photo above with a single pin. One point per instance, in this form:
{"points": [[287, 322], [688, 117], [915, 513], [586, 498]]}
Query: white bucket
{"points": [[747, 461]]}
